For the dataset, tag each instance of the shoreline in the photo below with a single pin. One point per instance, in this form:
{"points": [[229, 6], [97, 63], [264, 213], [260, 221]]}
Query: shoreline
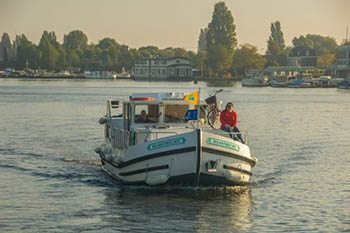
{"points": [[215, 82], [194, 79]]}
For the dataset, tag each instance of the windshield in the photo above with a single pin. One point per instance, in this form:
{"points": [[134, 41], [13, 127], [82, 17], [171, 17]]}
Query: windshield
{"points": [[147, 113], [175, 113]]}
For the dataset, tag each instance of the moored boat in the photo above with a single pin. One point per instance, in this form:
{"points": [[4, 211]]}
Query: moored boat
{"points": [[344, 84], [279, 81], [99, 75], [255, 78], [124, 74], [293, 81], [157, 139]]}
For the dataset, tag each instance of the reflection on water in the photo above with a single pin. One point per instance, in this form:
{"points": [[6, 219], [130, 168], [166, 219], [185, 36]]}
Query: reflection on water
{"points": [[221, 83], [209, 209]]}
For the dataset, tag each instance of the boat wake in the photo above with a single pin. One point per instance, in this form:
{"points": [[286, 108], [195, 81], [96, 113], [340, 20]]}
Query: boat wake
{"points": [[267, 179], [48, 168]]}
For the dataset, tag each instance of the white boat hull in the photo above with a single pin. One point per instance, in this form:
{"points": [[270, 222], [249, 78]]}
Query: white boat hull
{"points": [[254, 82], [196, 158]]}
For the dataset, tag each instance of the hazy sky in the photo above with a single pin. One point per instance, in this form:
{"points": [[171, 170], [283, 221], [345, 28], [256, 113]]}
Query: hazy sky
{"points": [[172, 23]]}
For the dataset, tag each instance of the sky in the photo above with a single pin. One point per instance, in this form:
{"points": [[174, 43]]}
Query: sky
{"points": [[172, 23]]}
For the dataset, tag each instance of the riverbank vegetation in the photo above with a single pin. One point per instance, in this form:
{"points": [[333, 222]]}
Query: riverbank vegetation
{"points": [[218, 50]]}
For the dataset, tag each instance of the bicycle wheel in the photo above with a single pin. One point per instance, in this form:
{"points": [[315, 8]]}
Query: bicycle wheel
{"points": [[214, 118]]}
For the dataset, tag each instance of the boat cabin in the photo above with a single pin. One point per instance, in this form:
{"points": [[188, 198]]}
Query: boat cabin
{"points": [[149, 113]]}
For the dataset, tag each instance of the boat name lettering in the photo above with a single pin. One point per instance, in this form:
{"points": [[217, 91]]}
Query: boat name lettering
{"points": [[222, 143], [166, 143]]}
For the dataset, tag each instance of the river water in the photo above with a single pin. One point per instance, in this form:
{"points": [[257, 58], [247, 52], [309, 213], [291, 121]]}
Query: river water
{"points": [[51, 180]]}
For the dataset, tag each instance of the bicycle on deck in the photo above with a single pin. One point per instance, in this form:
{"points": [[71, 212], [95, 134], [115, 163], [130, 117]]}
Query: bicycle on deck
{"points": [[213, 114]]}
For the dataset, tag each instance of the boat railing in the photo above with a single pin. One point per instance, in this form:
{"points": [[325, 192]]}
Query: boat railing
{"points": [[120, 138]]}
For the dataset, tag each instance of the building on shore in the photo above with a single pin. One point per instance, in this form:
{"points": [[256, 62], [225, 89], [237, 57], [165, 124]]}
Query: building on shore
{"points": [[302, 56], [301, 63], [341, 68], [289, 71], [162, 68]]}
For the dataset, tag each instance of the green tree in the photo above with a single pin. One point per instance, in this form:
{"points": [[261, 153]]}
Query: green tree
{"points": [[75, 40], [74, 44], [167, 52], [199, 60], [221, 39], [324, 46], [191, 55], [202, 41], [247, 57], [148, 51], [91, 57], [219, 59], [125, 58], [73, 57], [107, 43], [276, 48], [180, 52], [49, 50], [6, 50], [109, 55], [27, 53], [62, 62]]}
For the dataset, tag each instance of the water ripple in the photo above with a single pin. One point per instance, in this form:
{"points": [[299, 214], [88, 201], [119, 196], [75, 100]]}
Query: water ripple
{"points": [[51, 178]]}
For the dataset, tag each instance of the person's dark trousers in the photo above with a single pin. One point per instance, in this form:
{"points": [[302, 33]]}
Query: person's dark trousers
{"points": [[234, 133]]}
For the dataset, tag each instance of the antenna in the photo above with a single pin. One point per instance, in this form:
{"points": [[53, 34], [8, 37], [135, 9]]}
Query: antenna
{"points": [[347, 34]]}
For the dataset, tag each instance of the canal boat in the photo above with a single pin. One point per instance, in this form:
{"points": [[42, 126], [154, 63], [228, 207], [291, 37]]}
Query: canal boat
{"points": [[165, 139], [344, 84], [255, 78]]}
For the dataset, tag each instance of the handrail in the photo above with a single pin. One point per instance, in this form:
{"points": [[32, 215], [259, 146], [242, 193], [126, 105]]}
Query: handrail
{"points": [[120, 138]]}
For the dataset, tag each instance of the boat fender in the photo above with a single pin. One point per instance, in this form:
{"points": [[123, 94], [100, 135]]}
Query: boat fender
{"points": [[117, 155], [157, 180], [255, 160], [109, 157], [232, 175], [104, 149], [98, 150], [102, 120]]}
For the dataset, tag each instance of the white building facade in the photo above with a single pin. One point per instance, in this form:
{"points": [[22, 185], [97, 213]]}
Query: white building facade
{"points": [[341, 67], [160, 68], [343, 62]]}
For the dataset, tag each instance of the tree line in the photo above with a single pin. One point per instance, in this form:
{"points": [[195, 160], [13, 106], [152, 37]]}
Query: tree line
{"points": [[76, 52], [218, 50]]}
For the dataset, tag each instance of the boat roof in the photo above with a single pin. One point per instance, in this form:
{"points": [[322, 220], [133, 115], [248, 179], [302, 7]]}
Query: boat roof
{"points": [[156, 96]]}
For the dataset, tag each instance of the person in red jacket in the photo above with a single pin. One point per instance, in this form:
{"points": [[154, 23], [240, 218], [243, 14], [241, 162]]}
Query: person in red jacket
{"points": [[228, 120]]}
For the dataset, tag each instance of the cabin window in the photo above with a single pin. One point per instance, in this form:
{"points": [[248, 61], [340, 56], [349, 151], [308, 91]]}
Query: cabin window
{"points": [[175, 113], [147, 113]]}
